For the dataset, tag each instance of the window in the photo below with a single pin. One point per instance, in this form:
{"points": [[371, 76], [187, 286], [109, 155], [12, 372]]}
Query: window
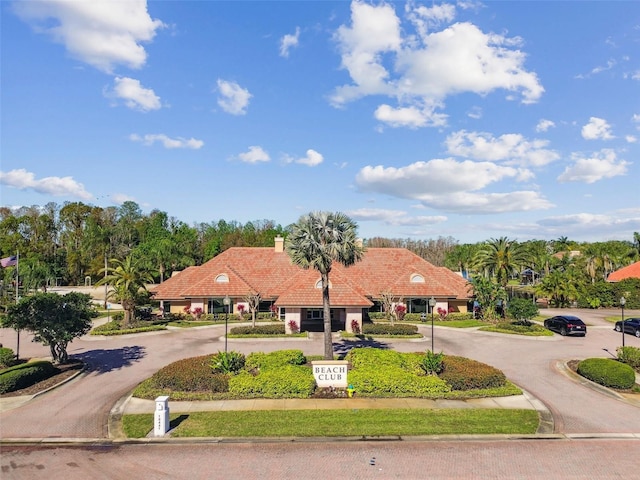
{"points": [[222, 278], [314, 314], [282, 313], [417, 278]]}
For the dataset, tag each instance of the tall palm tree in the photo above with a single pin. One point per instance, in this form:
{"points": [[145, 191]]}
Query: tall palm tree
{"points": [[127, 279], [500, 258], [316, 241]]}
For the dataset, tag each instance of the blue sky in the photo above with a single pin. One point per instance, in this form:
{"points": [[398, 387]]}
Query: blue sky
{"points": [[473, 120]]}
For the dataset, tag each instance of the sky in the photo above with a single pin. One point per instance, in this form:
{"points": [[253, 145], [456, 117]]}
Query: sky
{"points": [[471, 120]]}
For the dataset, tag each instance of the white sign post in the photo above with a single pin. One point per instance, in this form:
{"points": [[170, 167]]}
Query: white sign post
{"points": [[161, 421]]}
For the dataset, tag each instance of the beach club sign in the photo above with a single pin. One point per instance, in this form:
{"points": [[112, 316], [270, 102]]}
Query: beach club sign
{"points": [[330, 373]]}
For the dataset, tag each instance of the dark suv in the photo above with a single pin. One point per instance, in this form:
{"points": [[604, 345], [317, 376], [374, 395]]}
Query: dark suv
{"points": [[566, 325]]}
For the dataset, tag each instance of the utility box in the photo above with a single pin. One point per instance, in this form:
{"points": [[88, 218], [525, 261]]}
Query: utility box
{"points": [[161, 420]]}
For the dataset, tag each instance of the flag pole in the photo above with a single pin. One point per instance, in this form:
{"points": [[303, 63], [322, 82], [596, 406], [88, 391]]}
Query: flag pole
{"points": [[17, 299]]}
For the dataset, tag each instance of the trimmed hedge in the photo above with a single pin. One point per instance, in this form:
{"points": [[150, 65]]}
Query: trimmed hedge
{"points": [[25, 375], [277, 329], [7, 357], [388, 329], [290, 381], [395, 382], [466, 374], [279, 358], [191, 375], [608, 372]]}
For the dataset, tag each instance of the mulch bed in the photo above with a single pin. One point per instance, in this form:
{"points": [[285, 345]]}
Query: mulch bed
{"points": [[66, 371]]}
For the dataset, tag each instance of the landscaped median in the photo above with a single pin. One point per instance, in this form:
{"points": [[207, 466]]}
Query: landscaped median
{"points": [[373, 374]]}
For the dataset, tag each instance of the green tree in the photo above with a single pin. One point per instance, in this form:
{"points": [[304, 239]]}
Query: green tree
{"points": [[127, 280], [316, 241], [522, 310], [559, 287], [489, 294], [55, 320], [500, 258]]}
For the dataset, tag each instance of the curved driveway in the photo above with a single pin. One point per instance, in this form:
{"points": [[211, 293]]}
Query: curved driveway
{"points": [[80, 409]]}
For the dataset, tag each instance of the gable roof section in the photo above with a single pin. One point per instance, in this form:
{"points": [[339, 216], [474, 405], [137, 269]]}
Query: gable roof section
{"points": [[630, 271], [271, 274]]}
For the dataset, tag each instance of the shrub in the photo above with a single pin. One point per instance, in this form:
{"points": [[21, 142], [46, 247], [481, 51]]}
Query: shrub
{"points": [[466, 374], [607, 372], [293, 326], [630, 356], [227, 362], [290, 381], [432, 363], [386, 329], [259, 330], [25, 375], [279, 358], [370, 357], [395, 382], [7, 357], [355, 326], [190, 375]]}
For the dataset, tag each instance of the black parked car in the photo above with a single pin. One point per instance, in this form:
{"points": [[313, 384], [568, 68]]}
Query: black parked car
{"points": [[566, 325], [631, 325]]}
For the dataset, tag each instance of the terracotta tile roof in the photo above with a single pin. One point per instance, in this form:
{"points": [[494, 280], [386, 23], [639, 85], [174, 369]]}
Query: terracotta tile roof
{"points": [[271, 273], [630, 271]]}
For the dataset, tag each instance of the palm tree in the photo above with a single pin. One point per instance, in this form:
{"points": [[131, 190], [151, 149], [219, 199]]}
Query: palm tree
{"points": [[127, 279], [316, 241], [500, 258]]}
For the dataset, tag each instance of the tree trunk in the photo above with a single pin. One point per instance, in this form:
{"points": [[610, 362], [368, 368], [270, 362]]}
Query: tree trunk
{"points": [[328, 344]]}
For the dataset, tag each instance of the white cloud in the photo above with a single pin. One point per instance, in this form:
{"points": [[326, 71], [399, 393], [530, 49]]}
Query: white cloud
{"points": [[631, 138], [603, 164], [422, 72], [451, 186], [135, 96], [312, 159], [393, 217], [100, 33], [597, 129], [179, 142], [636, 119], [511, 148], [289, 41], [254, 155], [120, 198], [411, 117], [233, 98], [544, 125], [425, 18], [58, 186], [475, 113]]}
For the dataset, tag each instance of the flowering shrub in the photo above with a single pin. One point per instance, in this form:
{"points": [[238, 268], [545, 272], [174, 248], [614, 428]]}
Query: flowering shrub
{"points": [[293, 326], [442, 312], [400, 311], [197, 313], [355, 326], [241, 309]]}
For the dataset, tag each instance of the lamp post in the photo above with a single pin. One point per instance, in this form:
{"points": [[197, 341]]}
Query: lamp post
{"points": [[432, 304], [622, 302], [227, 301]]}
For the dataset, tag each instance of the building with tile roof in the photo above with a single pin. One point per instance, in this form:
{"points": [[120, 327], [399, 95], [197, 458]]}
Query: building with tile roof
{"points": [[630, 271], [296, 293]]}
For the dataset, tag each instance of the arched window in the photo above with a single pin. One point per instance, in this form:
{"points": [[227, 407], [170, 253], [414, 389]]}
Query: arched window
{"points": [[222, 278], [319, 284], [417, 278]]}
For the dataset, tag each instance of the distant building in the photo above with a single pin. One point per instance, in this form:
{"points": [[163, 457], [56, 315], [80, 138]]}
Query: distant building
{"points": [[630, 271]]}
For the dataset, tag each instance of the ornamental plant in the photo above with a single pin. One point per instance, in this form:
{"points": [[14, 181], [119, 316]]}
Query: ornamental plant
{"points": [[293, 326], [355, 326]]}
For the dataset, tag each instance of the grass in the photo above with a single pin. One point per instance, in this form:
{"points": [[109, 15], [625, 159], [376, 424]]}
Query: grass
{"points": [[339, 423]]}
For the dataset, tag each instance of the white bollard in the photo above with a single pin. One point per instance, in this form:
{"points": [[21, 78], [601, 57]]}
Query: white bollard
{"points": [[161, 421]]}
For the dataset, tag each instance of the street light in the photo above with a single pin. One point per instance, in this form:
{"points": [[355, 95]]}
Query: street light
{"points": [[432, 304], [622, 302], [227, 301]]}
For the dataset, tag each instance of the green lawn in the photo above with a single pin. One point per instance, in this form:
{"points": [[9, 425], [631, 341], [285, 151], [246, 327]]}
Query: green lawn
{"points": [[339, 423]]}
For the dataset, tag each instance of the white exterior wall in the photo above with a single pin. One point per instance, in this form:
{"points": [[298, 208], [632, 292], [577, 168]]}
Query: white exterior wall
{"points": [[353, 314], [291, 314]]}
